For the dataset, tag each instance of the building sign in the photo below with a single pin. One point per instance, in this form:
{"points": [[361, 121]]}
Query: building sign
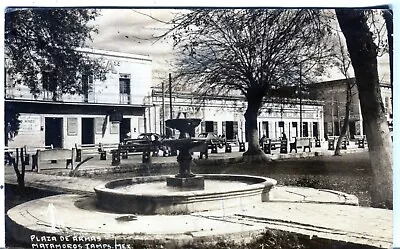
{"points": [[29, 123], [114, 127], [98, 124], [110, 66], [329, 127], [72, 126]]}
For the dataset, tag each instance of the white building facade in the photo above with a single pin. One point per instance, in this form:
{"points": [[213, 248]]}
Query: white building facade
{"points": [[224, 115], [106, 113]]}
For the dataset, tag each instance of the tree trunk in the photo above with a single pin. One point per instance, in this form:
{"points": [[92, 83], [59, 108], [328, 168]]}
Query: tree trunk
{"points": [[343, 129], [20, 174], [254, 152], [363, 56], [388, 16]]}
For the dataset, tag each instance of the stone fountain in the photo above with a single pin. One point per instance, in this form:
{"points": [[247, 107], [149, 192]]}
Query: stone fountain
{"points": [[185, 192], [185, 179]]}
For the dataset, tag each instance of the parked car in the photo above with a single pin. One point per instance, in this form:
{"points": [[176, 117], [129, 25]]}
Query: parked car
{"points": [[143, 142], [211, 138]]}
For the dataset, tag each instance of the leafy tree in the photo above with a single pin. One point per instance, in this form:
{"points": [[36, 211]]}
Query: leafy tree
{"points": [[249, 51], [11, 122], [363, 53], [42, 52], [41, 49]]}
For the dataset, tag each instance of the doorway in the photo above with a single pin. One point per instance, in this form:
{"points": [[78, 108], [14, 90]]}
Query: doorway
{"points": [[53, 132], [87, 130], [229, 133], [125, 129], [305, 129], [265, 128], [352, 129], [315, 130]]}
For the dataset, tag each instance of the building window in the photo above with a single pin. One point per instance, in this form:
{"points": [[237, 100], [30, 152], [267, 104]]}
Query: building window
{"points": [[125, 88], [209, 126], [49, 81], [87, 85], [49, 84]]}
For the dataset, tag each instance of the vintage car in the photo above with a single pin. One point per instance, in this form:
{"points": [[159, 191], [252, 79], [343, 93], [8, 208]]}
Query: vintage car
{"points": [[145, 141], [211, 138]]}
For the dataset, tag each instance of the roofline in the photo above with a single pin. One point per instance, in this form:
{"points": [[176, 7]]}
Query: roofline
{"points": [[238, 97], [115, 54], [73, 103]]}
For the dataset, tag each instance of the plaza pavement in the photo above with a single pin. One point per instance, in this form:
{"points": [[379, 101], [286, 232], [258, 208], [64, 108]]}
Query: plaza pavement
{"points": [[324, 215]]}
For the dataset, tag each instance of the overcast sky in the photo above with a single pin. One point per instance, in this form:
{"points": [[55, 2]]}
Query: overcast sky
{"points": [[131, 30]]}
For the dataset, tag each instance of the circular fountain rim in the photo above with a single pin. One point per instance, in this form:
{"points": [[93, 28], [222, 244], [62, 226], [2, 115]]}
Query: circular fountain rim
{"points": [[259, 183]]}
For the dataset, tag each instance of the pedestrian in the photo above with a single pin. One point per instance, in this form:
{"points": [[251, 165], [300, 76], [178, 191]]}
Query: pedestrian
{"points": [[262, 140], [284, 136]]}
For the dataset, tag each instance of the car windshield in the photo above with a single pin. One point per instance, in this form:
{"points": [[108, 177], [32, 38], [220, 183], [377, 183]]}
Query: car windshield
{"points": [[142, 136], [151, 137]]}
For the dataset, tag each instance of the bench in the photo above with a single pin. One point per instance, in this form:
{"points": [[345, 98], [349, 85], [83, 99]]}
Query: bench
{"points": [[275, 143], [52, 155], [106, 147], [317, 142], [9, 158], [345, 142], [89, 149], [266, 146], [242, 147], [360, 140], [301, 142], [123, 150], [331, 142], [283, 148]]}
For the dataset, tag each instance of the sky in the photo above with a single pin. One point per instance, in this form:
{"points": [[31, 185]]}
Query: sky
{"points": [[133, 31]]}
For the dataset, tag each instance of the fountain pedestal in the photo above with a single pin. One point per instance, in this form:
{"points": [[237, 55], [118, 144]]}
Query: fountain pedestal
{"points": [[186, 183], [185, 179]]}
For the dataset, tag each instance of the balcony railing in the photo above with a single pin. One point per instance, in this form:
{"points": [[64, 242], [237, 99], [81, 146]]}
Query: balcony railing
{"points": [[23, 93], [124, 98]]}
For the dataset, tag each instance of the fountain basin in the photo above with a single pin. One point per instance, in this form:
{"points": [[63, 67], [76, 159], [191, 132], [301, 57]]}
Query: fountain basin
{"points": [[150, 195]]}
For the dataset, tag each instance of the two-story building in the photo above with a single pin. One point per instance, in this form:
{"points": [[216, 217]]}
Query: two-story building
{"points": [[333, 94], [106, 112]]}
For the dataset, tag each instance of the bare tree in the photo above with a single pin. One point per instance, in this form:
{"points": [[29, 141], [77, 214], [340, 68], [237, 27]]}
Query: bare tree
{"points": [[343, 62], [363, 53], [248, 51]]}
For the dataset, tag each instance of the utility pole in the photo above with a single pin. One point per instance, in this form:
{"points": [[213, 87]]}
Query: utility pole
{"points": [[301, 106], [163, 109], [170, 96]]}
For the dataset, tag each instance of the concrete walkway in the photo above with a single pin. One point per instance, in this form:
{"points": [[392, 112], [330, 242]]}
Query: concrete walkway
{"points": [[69, 215]]}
